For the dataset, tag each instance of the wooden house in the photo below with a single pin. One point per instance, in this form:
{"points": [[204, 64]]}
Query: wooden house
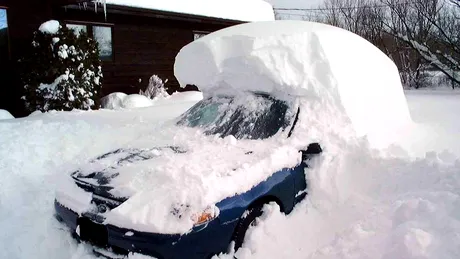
{"points": [[135, 41]]}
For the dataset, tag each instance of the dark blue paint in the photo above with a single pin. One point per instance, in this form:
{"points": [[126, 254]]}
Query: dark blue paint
{"points": [[213, 238]]}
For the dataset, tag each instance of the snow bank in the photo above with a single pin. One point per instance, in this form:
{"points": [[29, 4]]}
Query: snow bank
{"points": [[398, 208], [363, 205], [36, 155], [50, 27], [119, 100], [5, 115], [113, 101], [281, 58], [136, 101], [243, 10]]}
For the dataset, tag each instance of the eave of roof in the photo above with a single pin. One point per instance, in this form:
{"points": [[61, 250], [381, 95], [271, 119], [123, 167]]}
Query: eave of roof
{"points": [[161, 14]]}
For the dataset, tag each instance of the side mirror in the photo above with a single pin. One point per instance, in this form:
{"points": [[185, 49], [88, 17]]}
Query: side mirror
{"points": [[312, 149]]}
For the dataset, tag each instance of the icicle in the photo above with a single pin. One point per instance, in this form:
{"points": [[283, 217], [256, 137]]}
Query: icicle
{"points": [[103, 3], [105, 9]]}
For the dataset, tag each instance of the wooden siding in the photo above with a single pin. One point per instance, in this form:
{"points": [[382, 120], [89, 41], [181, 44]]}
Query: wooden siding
{"points": [[143, 43]]}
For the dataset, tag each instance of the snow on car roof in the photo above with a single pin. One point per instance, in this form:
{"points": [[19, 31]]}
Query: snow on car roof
{"points": [[305, 59], [242, 10], [331, 85]]}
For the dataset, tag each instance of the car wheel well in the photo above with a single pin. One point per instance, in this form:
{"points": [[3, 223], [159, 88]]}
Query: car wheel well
{"points": [[252, 212], [265, 200]]}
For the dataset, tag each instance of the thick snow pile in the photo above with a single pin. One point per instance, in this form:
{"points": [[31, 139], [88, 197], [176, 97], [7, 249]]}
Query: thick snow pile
{"points": [[50, 27], [366, 203], [136, 101], [113, 100], [5, 115], [362, 203], [38, 152], [383, 206], [119, 100], [187, 177], [299, 66], [243, 10], [281, 57]]}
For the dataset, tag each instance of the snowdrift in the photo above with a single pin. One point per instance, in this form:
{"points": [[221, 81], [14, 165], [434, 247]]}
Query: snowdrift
{"points": [[115, 101], [297, 62], [281, 58], [401, 208], [5, 115]]}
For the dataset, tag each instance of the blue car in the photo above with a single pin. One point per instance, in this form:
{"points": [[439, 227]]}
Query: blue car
{"points": [[211, 235]]}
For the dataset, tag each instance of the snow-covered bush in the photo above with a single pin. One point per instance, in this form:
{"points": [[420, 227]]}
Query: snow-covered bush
{"points": [[62, 71], [113, 101], [156, 88]]}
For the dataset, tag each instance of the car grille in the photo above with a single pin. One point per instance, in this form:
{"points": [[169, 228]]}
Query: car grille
{"points": [[102, 201], [92, 232]]}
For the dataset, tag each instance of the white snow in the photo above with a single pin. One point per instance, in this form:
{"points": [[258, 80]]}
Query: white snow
{"points": [[119, 100], [294, 61], [362, 202], [399, 207], [50, 27], [113, 100], [302, 59], [136, 101], [242, 10], [5, 115]]}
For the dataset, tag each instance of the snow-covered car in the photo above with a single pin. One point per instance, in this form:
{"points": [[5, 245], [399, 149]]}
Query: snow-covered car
{"points": [[272, 92], [215, 228]]}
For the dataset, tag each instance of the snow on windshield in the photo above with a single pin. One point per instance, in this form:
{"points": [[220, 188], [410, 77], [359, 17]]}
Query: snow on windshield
{"points": [[250, 116], [310, 60]]}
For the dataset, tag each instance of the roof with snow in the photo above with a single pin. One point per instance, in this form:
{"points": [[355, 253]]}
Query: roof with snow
{"points": [[241, 10]]}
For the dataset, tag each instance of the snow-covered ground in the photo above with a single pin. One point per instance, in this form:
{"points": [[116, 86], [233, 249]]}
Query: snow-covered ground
{"points": [[362, 204], [5, 115], [369, 204], [395, 202]]}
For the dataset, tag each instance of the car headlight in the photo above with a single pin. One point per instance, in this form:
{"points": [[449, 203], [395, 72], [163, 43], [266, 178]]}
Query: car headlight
{"points": [[206, 216]]}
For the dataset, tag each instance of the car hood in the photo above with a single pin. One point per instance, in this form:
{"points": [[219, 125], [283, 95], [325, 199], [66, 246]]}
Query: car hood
{"points": [[108, 174], [160, 183]]}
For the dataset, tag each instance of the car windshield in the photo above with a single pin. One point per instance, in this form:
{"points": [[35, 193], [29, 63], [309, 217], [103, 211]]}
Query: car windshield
{"points": [[253, 116]]}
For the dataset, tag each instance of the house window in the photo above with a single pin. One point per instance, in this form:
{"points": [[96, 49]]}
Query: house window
{"points": [[199, 34], [77, 28], [4, 48], [100, 33], [103, 36]]}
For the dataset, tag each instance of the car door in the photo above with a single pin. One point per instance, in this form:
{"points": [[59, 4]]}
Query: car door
{"points": [[299, 181]]}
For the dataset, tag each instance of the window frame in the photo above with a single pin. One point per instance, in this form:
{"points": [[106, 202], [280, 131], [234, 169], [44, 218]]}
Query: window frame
{"points": [[8, 36], [90, 32], [203, 33]]}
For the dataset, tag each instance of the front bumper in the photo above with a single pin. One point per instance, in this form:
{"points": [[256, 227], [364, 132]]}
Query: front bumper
{"points": [[198, 244]]}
